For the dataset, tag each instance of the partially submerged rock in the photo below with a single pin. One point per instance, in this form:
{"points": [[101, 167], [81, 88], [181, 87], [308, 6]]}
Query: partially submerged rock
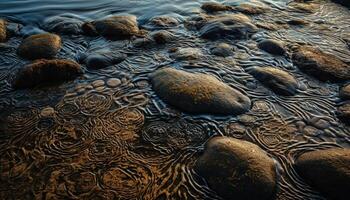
{"points": [[345, 92], [103, 59], [211, 7], [222, 49], [327, 170], [281, 82], [117, 27], [185, 53], [162, 36], [161, 22], [198, 93], [63, 25], [237, 169], [323, 66], [272, 46], [42, 72], [45, 45], [235, 26], [250, 9], [2, 30], [343, 112]]}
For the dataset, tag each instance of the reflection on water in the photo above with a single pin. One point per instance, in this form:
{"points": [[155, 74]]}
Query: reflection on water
{"points": [[106, 135]]}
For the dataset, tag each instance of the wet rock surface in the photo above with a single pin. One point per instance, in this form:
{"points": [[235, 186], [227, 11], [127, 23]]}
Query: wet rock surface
{"points": [[280, 81], [327, 170], [322, 66], [236, 26], [38, 46], [2, 30], [250, 9], [44, 72], [237, 168], [162, 22], [198, 93], [272, 47], [117, 27]]}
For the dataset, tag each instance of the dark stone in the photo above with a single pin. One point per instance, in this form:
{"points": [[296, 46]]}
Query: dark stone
{"points": [[63, 25], [161, 22], [322, 66], [223, 50], [211, 7], [46, 72], [2, 30], [345, 92], [327, 170], [281, 82], [38, 46], [343, 112], [297, 22], [236, 26], [117, 27], [272, 46], [103, 59], [198, 93], [237, 169]]}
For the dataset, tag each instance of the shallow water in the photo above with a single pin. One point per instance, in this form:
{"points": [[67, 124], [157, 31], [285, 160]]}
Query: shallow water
{"points": [[90, 139]]}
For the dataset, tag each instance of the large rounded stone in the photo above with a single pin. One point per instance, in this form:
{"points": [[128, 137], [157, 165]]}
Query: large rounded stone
{"points": [[281, 82], [117, 27], [345, 92], [323, 66], [272, 46], [198, 93], [2, 30], [46, 72], [222, 49], [237, 169], [235, 26], [328, 171], [37, 46]]}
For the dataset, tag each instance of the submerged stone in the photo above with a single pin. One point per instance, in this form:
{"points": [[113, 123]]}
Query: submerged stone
{"points": [[215, 7], [236, 26], [162, 36], [345, 92], [250, 9], [327, 170], [322, 66], [198, 93], [2, 30], [45, 45], [100, 60], [272, 46], [343, 112], [280, 81], [237, 169], [63, 24], [117, 27], [42, 72], [29, 30], [187, 53], [162, 22], [223, 50]]}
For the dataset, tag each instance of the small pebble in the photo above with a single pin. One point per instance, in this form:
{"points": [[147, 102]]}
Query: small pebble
{"points": [[98, 83], [47, 112], [113, 82]]}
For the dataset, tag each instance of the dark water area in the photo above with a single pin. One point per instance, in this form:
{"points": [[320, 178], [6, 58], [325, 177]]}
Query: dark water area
{"points": [[107, 135]]}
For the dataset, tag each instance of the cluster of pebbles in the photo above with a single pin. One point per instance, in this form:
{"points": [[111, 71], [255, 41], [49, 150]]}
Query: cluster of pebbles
{"points": [[233, 168]]}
